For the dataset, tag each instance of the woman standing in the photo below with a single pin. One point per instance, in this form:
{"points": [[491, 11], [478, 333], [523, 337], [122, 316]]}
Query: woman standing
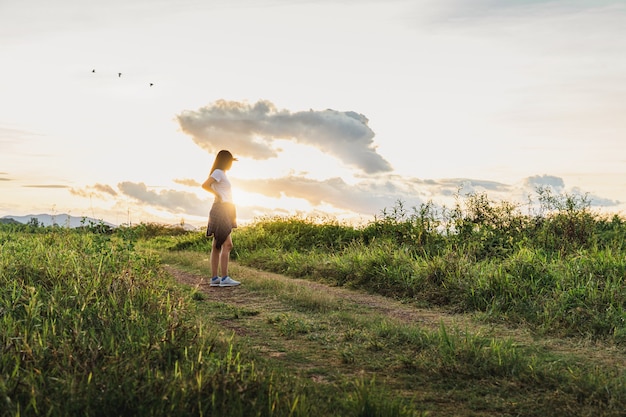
{"points": [[222, 218]]}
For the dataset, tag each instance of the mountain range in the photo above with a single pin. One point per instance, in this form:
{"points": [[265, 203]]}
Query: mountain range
{"points": [[63, 220]]}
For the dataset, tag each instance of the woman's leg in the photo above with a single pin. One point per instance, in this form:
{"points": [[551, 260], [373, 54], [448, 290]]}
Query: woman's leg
{"points": [[215, 259], [224, 256]]}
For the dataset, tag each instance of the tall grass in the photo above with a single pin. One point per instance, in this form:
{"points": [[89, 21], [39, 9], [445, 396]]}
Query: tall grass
{"points": [[315, 329], [554, 265], [88, 328]]}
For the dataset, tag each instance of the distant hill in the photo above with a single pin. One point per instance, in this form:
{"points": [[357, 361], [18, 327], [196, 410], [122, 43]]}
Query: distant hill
{"points": [[63, 220]]}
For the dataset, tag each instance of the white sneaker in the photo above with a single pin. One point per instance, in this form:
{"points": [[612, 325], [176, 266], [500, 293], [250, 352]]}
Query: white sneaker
{"points": [[228, 282], [215, 282]]}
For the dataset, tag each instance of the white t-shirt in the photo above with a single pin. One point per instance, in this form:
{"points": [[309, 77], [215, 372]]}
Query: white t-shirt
{"points": [[222, 186]]}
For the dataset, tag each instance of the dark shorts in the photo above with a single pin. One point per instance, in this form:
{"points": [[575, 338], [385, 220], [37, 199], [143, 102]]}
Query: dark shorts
{"points": [[222, 220]]}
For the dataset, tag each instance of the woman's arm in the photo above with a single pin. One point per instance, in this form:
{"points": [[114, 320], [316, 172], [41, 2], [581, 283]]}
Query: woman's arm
{"points": [[207, 186]]}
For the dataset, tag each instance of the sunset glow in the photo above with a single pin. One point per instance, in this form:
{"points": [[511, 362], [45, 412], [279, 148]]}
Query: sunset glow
{"points": [[116, 109]]}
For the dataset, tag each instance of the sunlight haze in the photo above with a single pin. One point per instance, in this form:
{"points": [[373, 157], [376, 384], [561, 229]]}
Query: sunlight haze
{"points": [[116, 109]]}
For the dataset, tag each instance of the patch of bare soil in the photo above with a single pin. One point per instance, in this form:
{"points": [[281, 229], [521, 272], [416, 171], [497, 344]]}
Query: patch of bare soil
{"points": [[587, 351]]}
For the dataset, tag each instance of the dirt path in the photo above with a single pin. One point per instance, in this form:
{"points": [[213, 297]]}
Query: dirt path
{"points": [[599, 353], [428, 318]]}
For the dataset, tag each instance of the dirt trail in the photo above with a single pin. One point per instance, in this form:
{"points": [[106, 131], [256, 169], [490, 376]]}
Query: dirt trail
{"points": [[392, 308], [599, 353]]}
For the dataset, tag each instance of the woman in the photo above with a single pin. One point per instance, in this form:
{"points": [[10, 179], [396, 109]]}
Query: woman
{"points": [[222, 218]]}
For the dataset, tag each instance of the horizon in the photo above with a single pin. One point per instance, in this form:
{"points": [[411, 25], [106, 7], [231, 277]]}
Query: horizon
{"points": [[115, 110], [546, 202]]}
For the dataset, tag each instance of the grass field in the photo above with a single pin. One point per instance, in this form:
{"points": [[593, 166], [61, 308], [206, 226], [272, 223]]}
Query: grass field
{"points": [[476, 310]]}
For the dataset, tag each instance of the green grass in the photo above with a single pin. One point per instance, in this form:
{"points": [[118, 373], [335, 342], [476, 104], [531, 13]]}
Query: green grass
{"points": [[561, 270], [86, 330], [446, 370], [91, 325]]}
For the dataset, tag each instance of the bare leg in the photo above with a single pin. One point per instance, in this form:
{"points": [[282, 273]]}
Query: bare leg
{"points": [[225, 255], [215, 259]]}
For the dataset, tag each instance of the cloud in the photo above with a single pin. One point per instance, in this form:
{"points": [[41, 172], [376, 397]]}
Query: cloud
{"points": [[169, 200], [189, 182], [96, 190], [557, 186], [597, 201], [107, 189], [362, 198], [369, 197], [539, 181], [463, 186], [45, 186], [250, 130]]}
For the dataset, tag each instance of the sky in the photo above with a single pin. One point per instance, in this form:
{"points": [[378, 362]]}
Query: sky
{"points": [[116, 109]]}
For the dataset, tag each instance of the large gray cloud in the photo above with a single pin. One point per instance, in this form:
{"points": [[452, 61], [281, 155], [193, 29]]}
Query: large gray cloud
{"points": [[251, 130]]}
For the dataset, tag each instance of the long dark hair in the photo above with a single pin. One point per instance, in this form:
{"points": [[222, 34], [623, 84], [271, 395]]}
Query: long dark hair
{"points": [[223, 160]]}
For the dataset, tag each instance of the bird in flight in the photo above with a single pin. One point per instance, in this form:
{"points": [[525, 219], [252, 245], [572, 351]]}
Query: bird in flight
{"points": [[119, 75]]}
